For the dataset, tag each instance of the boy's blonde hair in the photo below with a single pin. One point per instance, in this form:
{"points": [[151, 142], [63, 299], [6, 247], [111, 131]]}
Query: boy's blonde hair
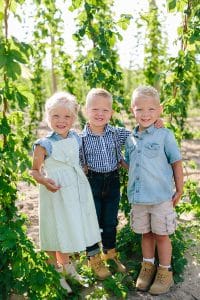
{"points": [[98, 92], [145, 91], [61, 99]]}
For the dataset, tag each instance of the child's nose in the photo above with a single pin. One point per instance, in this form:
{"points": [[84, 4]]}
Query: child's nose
{"points": [[100, 112]]}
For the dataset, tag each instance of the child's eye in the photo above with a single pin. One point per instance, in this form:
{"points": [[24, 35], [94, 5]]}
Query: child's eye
{"points": [[152, 109], [55, 116]]}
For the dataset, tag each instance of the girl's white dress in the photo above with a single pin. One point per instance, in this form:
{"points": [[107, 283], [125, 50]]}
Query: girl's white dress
{"points": [[67, 218]]}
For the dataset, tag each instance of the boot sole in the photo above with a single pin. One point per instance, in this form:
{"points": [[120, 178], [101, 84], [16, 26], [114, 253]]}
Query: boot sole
{"points": [[157, 294]]}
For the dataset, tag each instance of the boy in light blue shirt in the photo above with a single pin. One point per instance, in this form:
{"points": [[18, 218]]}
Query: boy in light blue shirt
{"points": [[154, 164]]}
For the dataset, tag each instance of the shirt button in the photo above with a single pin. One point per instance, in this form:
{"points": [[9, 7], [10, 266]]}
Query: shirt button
{"points": [[137, 191], [139, 151], [137, 165], [137, 177]]}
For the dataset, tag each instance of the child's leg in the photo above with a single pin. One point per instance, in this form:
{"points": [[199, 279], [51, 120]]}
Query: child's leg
{"points": [[110, 207], [164, 248], [68, 267], [163, 223], [95, 261], [148, 245], [62, 258], [164, 277], [148, 270], [52, 260]]}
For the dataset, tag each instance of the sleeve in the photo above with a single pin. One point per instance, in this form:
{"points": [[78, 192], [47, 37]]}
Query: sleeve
{"points": [[81, 150], [77, 137], [171, 148], [122, 133], [127, 159], [45, 143]]}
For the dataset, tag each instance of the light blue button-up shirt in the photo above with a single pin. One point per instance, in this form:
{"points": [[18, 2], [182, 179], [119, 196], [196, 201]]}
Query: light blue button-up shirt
{"points": [[150, 154]]}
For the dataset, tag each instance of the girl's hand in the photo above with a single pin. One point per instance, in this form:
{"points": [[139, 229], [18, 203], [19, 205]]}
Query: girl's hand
{"points": [[51, 186], [124, 164], [159, 123], [176, 197]]}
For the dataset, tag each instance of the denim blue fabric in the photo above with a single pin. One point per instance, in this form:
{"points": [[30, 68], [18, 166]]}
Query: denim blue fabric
{"points": [[150, 154], [106, 193], [53, 136]]}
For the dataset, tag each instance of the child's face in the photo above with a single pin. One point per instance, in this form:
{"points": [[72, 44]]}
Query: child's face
{"points": [[61, 120], [99, 112], [146, 111]]}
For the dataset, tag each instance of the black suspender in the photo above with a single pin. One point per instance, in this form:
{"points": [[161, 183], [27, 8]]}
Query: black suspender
{"points": [[117, 149]]}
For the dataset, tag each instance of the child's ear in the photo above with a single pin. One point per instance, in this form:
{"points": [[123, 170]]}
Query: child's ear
{"points": [[161, 108]]}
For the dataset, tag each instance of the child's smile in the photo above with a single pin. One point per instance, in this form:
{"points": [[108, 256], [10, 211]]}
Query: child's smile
{"points": [[146, 111], [61, 120], [99, 113]]}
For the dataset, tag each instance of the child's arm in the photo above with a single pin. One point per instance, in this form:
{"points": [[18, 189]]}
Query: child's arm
{"points": [[38, 159], [124, 164], [178, 179]]}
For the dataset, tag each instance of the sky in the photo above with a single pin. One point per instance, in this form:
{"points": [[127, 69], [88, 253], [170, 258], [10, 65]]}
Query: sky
{"points": [[130, 49]]}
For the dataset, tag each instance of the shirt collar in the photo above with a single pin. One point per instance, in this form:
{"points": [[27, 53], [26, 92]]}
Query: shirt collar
{"points": [[55, 136], [87, 130], [149, 130]]}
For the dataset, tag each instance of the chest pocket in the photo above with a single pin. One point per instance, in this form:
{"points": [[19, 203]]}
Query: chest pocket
{"points": [[151, 150]]}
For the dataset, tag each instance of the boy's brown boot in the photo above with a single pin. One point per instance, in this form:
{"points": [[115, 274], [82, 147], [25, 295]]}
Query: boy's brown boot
{"points": [[97, 265], [112, 255], [163, 281], [146, 276]]}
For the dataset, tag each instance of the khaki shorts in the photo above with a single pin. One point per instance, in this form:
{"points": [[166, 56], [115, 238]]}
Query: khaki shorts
{"points": [[159, 219]]}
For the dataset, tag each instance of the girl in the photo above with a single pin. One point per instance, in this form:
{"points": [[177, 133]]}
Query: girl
{"points": [[68, 221]]}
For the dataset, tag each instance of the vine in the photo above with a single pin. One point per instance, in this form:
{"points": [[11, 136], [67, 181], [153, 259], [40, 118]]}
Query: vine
{"points": [[182, 69], [155, 47], [100, 64]]}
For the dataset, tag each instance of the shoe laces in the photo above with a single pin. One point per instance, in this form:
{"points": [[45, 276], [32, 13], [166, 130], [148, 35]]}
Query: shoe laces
{"points": [[145, 272], [99, 264], [162, 277]]}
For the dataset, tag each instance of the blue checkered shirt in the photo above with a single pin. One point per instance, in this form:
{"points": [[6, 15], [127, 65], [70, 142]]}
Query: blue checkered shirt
{"points": [[102, 153]]}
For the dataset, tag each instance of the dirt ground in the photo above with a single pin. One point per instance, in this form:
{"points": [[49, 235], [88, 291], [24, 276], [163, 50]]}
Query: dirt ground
{"points": [[189, 289]]}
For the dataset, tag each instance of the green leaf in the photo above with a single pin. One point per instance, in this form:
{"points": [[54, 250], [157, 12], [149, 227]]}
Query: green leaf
{"points": [[3, 61], [22, 100], [12, 69], [16, 55], [171, 4], [4, 126]]}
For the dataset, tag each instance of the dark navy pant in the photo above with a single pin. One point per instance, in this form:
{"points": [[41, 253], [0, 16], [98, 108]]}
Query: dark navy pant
{"points": [[106, 193]]}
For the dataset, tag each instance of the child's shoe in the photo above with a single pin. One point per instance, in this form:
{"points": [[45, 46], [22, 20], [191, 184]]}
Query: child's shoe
{"points": [[112, 255], [63, 282], [97, 265], [163, 281], [70, 270], [146, 276]]}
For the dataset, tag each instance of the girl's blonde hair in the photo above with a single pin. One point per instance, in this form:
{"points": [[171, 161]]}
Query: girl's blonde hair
{"points": [[98, 92], [145, 91], [64, 99]]}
